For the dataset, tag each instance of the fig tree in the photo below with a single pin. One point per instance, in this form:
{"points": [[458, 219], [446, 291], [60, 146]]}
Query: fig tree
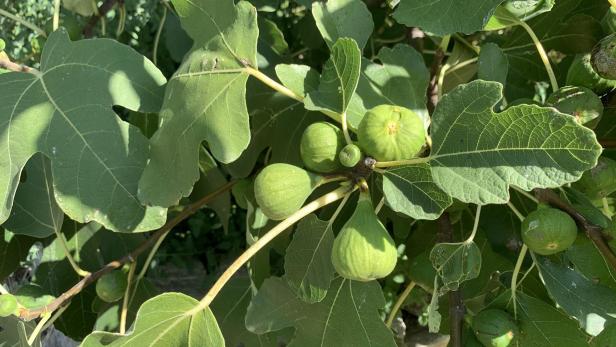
{"points": [[111, 286], [8, 305], [350, 155], [581, 73], [599, 181], [364, 250], [603, 58], [389, 133], [281, 189], [495, 328], [548, 231], [320, 144], [580, 102]]}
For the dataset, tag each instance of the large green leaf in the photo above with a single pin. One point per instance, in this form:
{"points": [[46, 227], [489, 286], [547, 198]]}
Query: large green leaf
{"points": [[338, 80], [15, 332], [443, 17], [35, 211], [308, 266], [591, 304], [477, 154], [205, 99], [65, 112], [166, 321], [411, 190], [348, 316], [343, 18]]}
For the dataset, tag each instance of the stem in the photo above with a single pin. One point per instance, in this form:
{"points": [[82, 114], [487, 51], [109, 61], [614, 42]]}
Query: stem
{"points": [[399, 302], [606, 208], [379, 206], [514, 279], [542, 54], [475, 225], [127, 296], [462, 40], [345, 128], [462, 64], [122, 20], [264, 240], [441, 80], [526, 194], [55, 317], [81, 272], [39, 327], [402, 162], [158, 34], [273, 84], [515, 211], [23, 22], [56, 15]]}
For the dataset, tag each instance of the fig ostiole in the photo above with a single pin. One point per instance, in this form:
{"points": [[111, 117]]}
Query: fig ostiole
{"points": [[350, 155], [281, 189], [548, 231], [111, 286], [390, 133], [600, 181], [364, 250], [495, 328], [8, 305], [580, 102], [319, 147]]}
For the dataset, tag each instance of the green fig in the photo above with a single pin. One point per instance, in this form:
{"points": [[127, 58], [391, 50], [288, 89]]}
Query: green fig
{"points": [[548, 231], [281, 189], [111, 286], [350, 155], [495, 328], [580, 102], [599, 181], [603, 57], [8, 305], [581, 73], [389, 133], [364, 250], [320, 144]]}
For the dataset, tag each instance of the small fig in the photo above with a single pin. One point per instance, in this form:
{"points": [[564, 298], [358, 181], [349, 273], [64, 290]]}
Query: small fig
{"points": [[495, 328], [320, 145], [364, 250], [111, 286], [8, 305], [581, 73], [281, 189], [350, 155], [599, 181], [603, 58], [580, 102], [548, 231], [389, 133]]}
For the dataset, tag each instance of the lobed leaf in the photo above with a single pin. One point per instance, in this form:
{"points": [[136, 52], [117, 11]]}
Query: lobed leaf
{"points": [[343, 18]]}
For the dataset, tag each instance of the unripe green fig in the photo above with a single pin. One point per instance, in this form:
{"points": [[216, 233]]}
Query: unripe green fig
{"points": [[8, 305], [495, 328], [603, 57], [111, 286], [364, 250], [281, 189], [581, 73], [522, 8], [350, 155], [548, 231], [599, 181], [320, 145], [389, 133], [580, 102]]}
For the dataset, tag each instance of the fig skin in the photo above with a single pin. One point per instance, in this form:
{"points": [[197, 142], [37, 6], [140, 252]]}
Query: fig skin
{"points": [[389, 133], [548, 231], [319, 147], [8, 305], [603, 57], [581, 73], [364, 250], [281, 189], [599, 181], [579, 102], [350, 155], [111, 286], [495, 328]]}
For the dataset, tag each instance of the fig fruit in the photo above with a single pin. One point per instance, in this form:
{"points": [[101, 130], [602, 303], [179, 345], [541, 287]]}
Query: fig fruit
{"points": [[548, 231], [603, 57], [522, 8], [111, 287], [281, 189], [389, 133], [364, 250], [8, 305], [599, 181], [350, 155], [580, 102], [581, 73], [495, 328], [320, 145]]}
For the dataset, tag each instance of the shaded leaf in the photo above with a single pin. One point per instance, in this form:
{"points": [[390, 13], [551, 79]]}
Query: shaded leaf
{"points": [[493, 64], [456, 263], [343, 18], [15, 333], [13, 250]]}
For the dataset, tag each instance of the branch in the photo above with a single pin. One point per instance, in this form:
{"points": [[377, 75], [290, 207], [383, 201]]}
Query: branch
{"points": [[593, 231], [456, 306], [77, 288], [7, 64], [435, 71], [102, 11]]}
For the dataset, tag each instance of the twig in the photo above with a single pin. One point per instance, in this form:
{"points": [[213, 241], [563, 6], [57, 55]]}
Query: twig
{"points": [[127, 297], [456, 306], [23, 22], [399, 302], [56, 15], [435, 71], [594, 232], [29, 314], [102, 11], [159, 31], [7, 64]]}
